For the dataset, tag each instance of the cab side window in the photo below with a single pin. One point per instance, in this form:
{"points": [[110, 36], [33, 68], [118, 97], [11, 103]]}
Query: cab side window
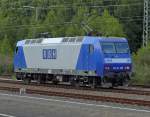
{"points": [[91, 49]]}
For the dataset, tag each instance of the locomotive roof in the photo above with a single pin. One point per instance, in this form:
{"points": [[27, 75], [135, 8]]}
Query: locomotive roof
{"points": [[77, 39], [113, 39]]}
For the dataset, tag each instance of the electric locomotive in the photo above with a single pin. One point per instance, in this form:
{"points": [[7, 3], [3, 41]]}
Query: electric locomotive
{"points": [[80, 61]]}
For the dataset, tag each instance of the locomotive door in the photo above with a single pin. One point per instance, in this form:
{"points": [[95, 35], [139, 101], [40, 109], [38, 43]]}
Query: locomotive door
{"points": [[85, 58], [88, 56]]}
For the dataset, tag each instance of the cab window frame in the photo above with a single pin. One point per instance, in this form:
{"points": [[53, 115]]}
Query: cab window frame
{"points": [[114, 48], [91, 48]]}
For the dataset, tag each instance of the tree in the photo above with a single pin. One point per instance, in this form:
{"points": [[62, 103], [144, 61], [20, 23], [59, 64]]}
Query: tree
{"points": [[6, 54], [131, 18], [78, 19], [107, 25], [141, 65], [55, 22], [20, 22]]}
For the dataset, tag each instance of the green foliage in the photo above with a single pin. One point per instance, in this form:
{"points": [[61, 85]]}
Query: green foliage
{"points": [[109, 27], [76, 28], [14, 77], [132, 24], [20, 19], [142, 66], [6, 48], [5, 56]]}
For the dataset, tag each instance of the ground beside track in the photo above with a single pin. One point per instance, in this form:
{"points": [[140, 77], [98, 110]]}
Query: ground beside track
{"points": [[12, 104]]}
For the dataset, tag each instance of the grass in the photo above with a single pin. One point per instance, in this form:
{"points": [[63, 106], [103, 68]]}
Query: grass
{"points": [[13, 77]]}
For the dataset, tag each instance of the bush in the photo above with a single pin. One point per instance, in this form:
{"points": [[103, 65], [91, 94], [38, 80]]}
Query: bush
{"points": [[6, 56], [141, 66], [1, 69]]}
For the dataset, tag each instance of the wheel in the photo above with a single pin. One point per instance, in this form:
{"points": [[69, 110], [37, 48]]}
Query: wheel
{"points": [[39, 80], [124, 81], [55, 82], [114, 82], [18, 78], [75, 83], [95, 82], [43, 81], [93, 85]]}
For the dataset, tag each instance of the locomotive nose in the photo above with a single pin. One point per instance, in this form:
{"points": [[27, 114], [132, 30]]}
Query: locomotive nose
{"points": [[117, 65]]}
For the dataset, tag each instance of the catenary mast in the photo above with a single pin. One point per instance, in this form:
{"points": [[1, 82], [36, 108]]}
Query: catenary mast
{"points": [[146, 22]]}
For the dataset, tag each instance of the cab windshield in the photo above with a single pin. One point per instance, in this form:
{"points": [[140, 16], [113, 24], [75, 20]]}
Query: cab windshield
{"points": [[115, 47]]}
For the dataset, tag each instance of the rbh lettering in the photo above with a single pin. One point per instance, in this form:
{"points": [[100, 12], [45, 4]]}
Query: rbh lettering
{"points": [[49, 53]]}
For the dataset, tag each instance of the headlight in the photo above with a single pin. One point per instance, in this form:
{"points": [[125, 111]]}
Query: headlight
{"points": [[107, 68], [127, 67]]}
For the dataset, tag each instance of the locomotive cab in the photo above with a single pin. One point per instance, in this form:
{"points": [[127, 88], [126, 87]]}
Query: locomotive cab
{"points": [[117, 61]]}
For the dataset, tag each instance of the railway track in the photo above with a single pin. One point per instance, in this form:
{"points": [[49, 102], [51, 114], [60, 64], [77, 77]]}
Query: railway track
{"points": [[141, 86], [31, 90], [114, 90], [10, 85]]}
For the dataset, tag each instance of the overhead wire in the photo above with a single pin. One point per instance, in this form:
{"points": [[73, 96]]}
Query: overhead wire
{"points": [[125, 19], [70, 3], [57, 24]]}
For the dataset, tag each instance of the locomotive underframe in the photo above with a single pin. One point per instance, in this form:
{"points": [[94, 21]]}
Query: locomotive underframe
{"points": [[76, 78], [117, 78]]}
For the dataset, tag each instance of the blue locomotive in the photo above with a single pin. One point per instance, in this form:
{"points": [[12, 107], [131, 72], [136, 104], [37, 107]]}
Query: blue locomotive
{"points": [[86, 60]]}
